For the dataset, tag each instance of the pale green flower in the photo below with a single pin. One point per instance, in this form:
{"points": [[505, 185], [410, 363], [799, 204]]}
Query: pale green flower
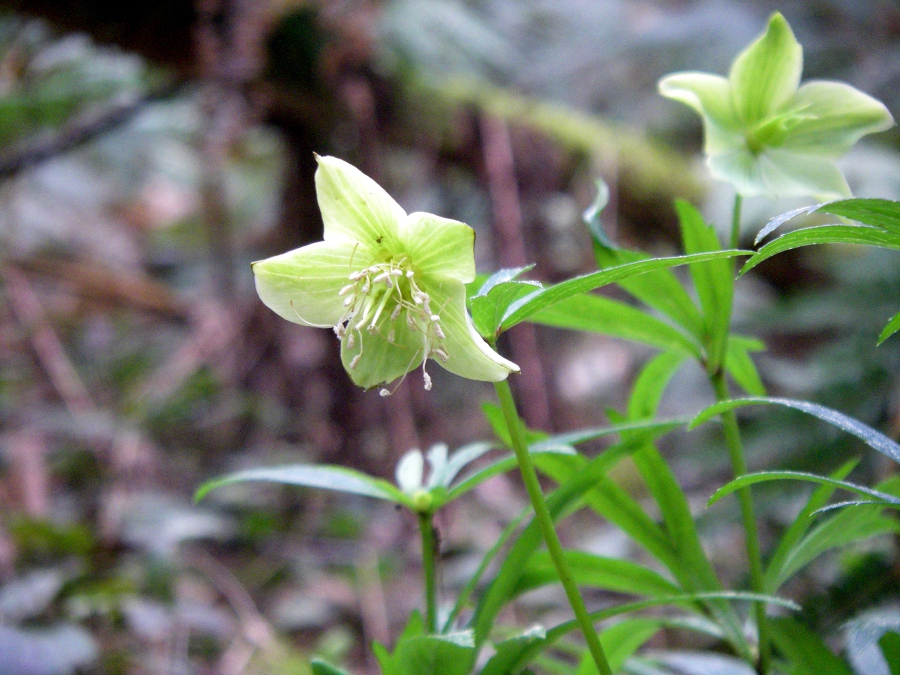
{"points": [[767, 136], [391, 285]]}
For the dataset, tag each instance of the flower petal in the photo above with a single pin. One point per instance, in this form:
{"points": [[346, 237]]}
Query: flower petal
{"points": [[765, 76], [834, 116], [470, 356], [779, 173], [354, 207], [709, 95], [381, 360], [440, 246], [303, 285]]}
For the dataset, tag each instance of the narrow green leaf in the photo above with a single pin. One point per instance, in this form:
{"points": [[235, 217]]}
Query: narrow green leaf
{"points": [[780, 220], [323, 477], [496, 294], [597, 314], [865, 235], [591, 216], [494, 415], [612, 574], [651, 428], [890, 649], [507, 463], [562, 629], [509, 652], [504, 582], [620, 641], [448, 654], [651, 383], [713, 280], [320, 667], [804, 650], [892, 327], [765, 476], [804, 520], [541, 299], [659, 289], [874, 439], [846, 527], [882, 213], [740, 365]]}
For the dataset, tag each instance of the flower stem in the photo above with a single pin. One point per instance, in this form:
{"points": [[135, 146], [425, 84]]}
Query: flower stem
{"points": [[754, 556], [545, 523], [429, 553], [736, 222]]}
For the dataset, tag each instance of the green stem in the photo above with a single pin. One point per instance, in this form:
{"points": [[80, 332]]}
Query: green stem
{"points": [[754, 556], [429, 553], [736, 222], [545, 523]]}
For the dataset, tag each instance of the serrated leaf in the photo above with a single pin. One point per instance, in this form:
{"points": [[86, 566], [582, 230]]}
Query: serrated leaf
{"points": [[593, 313], [781, 219], [804, 520], [874, 439], [323, 477], [659, 289], [749, 479], [541, 299], [865, 235], [882, 213]]}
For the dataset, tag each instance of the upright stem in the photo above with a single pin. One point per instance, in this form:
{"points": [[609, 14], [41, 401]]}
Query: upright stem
{"points": [[736, 222], [545, 523], [754, 556], [739, 466], [429, 552]]}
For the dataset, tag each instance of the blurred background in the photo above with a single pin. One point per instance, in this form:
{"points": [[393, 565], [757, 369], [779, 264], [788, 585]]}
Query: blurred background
{"points": [[150, 151]]}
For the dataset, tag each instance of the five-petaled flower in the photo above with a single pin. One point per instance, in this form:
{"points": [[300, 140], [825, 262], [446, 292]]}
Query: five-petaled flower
{"points": [[390, 284], [766, 136]]}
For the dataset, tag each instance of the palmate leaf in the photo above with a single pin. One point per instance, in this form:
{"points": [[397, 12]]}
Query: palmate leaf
{"points": [[882, 213], [874, 439], [541, 299]]}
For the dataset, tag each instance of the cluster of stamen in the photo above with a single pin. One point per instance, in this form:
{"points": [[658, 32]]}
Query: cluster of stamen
{"points": [[371, 292]]}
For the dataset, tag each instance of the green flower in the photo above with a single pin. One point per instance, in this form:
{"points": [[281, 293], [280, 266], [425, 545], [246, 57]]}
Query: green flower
{"points": [[391, 285], [766, 136]]}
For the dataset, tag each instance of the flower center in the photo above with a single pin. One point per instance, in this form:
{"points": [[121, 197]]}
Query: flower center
{"points": [[389, 289]]}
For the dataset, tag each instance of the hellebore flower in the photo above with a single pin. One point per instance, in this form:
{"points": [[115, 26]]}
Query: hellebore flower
{"points": [[766, 136], [391, 285]]}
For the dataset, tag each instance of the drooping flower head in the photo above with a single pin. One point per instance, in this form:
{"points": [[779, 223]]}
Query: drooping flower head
{"points": [[390, 284], [765, 134]]}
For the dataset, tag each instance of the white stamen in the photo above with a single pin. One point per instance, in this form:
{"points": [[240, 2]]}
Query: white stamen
{"points": [[355, 361], [438, 332], [396, 312], [349, 301], [427, 378], [410, 274], [441, 354], [350, 340], [384, 393], [346, 289], [435, 318]]}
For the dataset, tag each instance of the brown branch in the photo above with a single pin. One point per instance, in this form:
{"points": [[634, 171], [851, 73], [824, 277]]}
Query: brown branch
{"points": [[510, 246], [85, 128]]}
